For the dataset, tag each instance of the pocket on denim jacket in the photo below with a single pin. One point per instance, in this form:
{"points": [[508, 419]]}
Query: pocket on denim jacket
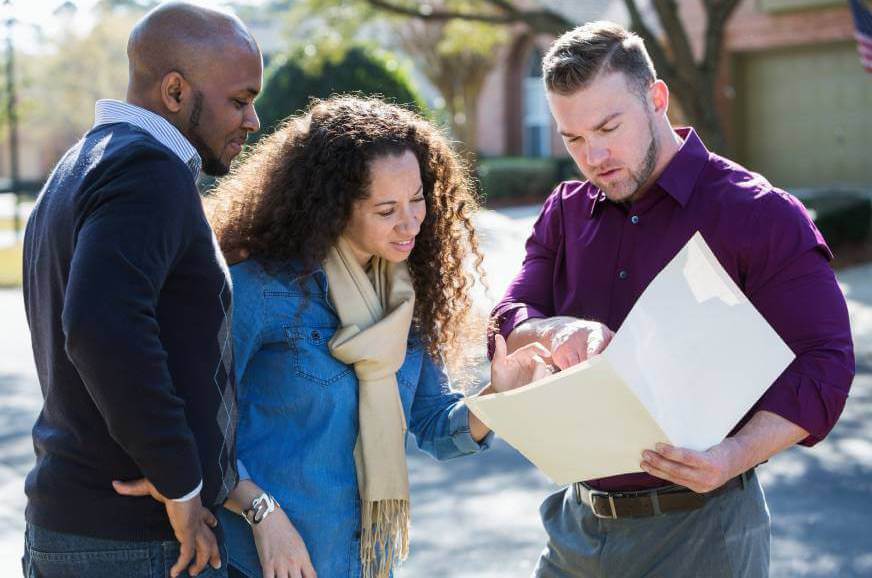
{"points": [[311, 355], [410, 371]]}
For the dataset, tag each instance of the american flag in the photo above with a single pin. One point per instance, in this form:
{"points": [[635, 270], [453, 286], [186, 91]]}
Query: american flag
{"points": [[863, 32]]}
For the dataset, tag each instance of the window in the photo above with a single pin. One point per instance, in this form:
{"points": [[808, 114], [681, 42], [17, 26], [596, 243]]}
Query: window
{"points": [[536, 118]]}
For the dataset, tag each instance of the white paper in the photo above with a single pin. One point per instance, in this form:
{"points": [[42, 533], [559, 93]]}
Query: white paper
{"points": [[691, 358]]}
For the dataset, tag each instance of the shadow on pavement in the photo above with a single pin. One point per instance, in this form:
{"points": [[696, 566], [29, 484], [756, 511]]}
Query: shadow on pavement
{"points": [[478, 516], [820, 498], [475, 516], [18, 410]]}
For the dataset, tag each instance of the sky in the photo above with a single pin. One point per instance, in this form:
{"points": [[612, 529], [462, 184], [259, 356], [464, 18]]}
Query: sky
{"points": [[29, 13]]}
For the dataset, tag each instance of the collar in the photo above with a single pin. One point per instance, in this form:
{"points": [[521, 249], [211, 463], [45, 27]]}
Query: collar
{"points": [[108, 111], [297, 274], [679, 177]]}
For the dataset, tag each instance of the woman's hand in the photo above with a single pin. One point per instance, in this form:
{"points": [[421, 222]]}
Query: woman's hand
{"points": [[281, 550], [523, 366]]}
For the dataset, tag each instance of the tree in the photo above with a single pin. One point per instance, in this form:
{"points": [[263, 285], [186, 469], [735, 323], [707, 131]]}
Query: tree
{"points": [[59, 85], [307, 72], [456, 57], [114, 6], [692, 81]]}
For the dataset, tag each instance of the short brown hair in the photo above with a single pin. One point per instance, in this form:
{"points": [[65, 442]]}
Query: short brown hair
{"points": [[582, 54]]}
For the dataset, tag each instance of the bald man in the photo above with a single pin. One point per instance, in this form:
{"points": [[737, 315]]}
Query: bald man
{"points": [[128, 304]]}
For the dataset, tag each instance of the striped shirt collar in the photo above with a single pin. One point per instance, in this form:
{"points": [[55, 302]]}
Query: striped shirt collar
{"points": [[108, 111]]}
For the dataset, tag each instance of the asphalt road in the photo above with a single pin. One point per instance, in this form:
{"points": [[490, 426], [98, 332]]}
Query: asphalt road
{"points": [[477, 517]]}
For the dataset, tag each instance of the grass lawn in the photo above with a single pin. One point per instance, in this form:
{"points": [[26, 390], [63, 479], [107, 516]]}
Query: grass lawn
{"points": [[10, 266]]}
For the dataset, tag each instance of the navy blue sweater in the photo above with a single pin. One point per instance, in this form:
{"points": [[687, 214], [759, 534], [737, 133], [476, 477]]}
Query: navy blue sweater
{"points": [[128, 302]]}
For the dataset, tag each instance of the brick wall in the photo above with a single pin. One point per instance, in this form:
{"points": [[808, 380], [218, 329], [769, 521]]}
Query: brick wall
{"points": [[752, 28]]}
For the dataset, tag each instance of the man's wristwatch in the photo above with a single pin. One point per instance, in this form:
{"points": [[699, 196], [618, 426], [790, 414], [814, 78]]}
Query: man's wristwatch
{"points": [[261, 507]]}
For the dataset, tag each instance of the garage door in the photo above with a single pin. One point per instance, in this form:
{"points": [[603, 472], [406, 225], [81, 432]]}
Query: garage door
{"points": [[806, 116]]}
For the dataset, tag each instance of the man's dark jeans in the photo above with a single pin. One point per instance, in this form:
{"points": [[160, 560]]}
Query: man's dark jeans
{"points": [[49, 554]]}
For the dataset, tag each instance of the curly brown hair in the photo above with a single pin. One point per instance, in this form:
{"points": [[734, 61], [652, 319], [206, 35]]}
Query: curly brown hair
{"points": [[313, 169]]}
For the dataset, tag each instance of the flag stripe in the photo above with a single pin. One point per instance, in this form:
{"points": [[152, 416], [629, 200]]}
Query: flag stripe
{"points": [[863, 32], [862, 17]]}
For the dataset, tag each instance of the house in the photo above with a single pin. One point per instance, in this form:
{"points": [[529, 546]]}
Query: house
{"points": [[514, 119], [796, 104]]}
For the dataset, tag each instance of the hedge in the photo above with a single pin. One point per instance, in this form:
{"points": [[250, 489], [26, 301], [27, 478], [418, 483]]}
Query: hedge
{"points": [[521, 178], [294, 79], [842, 217]]}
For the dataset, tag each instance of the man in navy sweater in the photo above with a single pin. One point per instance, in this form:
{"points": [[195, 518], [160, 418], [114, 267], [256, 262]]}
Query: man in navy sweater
{"points": [[128, 302]]}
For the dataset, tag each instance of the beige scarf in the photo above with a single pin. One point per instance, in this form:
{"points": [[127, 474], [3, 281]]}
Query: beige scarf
{"points": [[375, 312]]}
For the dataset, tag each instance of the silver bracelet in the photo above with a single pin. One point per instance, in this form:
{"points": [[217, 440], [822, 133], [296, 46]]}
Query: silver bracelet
{"points": [[261, 507]]}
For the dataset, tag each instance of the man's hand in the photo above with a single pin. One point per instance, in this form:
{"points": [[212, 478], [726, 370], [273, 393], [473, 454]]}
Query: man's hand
{"points": [[523, 366], [574, 340], [280, 548], [191, 524], [762, 437], [701, 472]]}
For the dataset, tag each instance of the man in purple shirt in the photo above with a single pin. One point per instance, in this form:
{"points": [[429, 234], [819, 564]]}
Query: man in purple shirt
{"points": [[594, 249]]}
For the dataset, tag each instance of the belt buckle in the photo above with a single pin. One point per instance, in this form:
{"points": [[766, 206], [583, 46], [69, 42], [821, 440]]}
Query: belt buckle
{"points": [[592, 494]]}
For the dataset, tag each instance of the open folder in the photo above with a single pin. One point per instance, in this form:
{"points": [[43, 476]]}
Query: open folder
{"points": [[689, 361]]}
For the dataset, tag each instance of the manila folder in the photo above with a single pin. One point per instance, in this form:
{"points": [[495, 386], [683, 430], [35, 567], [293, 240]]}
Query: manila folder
{"points": [[579, 424]]}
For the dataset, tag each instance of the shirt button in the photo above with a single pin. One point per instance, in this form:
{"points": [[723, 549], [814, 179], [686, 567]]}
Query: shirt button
{"points": [[622, 274], [634, 219]]}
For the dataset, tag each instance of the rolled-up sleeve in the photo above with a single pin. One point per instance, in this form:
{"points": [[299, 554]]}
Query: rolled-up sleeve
{"points": [[458, 424], [439, 418], [530, 294], [790, 282]]}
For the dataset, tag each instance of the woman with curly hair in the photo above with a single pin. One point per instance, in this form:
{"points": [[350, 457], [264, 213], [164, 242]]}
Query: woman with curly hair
{"points": [[356, 217]]}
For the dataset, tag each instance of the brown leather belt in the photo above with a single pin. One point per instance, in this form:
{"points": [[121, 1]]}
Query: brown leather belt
{"points": [[645, 503]]}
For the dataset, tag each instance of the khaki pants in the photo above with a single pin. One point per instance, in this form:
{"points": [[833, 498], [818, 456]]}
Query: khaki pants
{"points": [[726, 538]]}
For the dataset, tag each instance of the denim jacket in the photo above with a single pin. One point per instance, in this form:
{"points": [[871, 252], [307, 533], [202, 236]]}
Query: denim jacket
{"points": [[298, 418]]}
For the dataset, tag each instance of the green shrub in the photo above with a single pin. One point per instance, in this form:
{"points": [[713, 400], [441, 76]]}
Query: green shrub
{"points": [[294, 79], [520, 178], [842, 217], [567, 170]]}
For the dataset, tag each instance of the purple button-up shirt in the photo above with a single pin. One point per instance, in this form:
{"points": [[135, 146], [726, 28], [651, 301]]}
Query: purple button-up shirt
{"points": [[591, 258]]}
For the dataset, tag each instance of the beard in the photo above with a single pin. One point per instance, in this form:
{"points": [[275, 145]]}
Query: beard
{"points": [[629, 188], [212, 163]]}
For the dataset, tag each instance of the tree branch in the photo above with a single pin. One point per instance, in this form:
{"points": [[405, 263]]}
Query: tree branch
{"points": [[676, 35], [692, 81], [718, 13], [424, 14], [539, 20], [505, 5], [665, 68]]}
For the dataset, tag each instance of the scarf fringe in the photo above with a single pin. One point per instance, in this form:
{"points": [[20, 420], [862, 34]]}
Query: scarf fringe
{"points": [[384, 536]]}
